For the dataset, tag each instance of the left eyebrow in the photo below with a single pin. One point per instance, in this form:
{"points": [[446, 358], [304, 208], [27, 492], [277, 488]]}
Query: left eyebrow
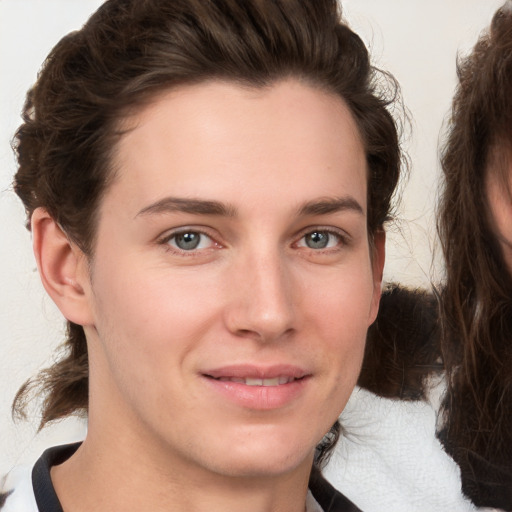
{"points": [[330, 205], [184, 205]]}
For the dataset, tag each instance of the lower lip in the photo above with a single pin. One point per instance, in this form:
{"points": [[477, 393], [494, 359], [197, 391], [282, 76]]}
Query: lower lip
{"points": [[259, 397]]}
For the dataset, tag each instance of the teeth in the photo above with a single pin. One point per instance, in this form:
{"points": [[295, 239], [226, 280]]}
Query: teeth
{"points": [[255, 382], [232, 379], [249, 381]]}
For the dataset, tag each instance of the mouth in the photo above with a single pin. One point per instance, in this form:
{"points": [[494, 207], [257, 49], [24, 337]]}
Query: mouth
{"points": [[255, 381], [258, 387], [257, 375]]}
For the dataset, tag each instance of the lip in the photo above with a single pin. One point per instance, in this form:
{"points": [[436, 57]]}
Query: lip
{"points": [[256, 372], [257, 397]]}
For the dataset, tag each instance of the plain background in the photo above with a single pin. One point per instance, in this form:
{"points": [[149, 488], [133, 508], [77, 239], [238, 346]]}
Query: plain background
{"points": [[417, 41]]}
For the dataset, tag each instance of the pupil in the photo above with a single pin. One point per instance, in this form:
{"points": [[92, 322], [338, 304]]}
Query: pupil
{"points": [[187, 241], [317, 240]]}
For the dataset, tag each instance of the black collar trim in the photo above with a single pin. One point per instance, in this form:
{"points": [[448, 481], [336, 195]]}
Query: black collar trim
{"points": [[44, 492], [327, 496]]}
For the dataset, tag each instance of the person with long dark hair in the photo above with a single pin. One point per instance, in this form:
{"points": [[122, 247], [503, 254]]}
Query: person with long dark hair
{"points": [[475, 227]]}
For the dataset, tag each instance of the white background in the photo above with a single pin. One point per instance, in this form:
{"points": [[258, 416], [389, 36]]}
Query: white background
{"points": [[414, 39]]}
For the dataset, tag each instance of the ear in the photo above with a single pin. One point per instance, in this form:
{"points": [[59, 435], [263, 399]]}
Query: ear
{"points": [[378, 256], [62, 267]]}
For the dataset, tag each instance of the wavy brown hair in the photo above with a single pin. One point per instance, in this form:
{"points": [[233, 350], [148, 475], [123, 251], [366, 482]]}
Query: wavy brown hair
{"points": [[131, 50], [402, 350], [477, 299]]}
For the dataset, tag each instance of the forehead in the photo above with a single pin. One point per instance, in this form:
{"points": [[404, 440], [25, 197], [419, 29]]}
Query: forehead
{"points": [[226, 141]]}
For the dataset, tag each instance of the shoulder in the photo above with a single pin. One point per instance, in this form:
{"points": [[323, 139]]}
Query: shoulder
{"points": [[390, 459], [16, 491], [26, 487]]}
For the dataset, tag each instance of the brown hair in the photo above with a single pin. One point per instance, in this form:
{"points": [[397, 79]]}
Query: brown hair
{"points": [[130, 50], [477, 299], [403, 345]]}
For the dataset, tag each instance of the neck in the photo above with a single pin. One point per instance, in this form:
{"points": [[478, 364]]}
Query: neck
{"points": [[120, 476]]}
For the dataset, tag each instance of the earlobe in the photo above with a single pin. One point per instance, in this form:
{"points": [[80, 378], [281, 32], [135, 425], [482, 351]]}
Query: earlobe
{"points": [[62, 268], [378, 258]]}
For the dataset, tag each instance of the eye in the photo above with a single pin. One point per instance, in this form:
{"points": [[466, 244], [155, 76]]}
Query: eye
{"points": [[320, 239], [189, 241]]}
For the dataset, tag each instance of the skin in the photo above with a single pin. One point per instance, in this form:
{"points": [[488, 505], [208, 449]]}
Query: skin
{"points": [[500, 205], [274, 166]]}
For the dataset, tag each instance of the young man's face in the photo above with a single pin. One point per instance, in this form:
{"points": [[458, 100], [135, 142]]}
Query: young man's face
{"points": [[231, 286]]}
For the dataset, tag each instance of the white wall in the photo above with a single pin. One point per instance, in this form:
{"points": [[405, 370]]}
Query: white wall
{"points": [[416, 40]]}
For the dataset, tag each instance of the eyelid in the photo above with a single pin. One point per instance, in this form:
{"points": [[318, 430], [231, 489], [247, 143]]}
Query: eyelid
{"points": [[170, 234], [345, 238]]}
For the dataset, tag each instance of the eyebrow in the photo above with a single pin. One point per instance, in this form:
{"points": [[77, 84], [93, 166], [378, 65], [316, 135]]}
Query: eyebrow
{"points": [[193, 206], [210, 207], [330, 205]]}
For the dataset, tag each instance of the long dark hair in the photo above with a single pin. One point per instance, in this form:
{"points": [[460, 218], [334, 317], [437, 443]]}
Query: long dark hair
{"points": [[129, 51], [477, 298], [403, 350]]}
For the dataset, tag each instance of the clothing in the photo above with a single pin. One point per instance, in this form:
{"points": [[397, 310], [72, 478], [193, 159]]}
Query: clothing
{"points": [[34, 491], [388, 458]]}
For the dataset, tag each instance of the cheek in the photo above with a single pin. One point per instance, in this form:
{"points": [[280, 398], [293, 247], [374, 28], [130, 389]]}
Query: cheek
{"points": [[345, 327], [501, 211], [342, 316], [500, 203], [145, 310], [346, 304], [148, 326]]}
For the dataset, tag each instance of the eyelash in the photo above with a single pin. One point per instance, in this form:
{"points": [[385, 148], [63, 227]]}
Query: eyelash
{"points": [[165, 241], [343, 240]]}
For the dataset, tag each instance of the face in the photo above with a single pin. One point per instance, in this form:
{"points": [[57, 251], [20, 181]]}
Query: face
{"points": [[500, 205], [232, 283]]}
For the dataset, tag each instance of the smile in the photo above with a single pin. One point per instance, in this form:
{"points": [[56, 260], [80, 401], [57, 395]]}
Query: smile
{"points": [[250, 381], [256, 387]]}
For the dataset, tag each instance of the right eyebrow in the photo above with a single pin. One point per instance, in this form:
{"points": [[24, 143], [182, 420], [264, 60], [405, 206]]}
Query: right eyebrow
{"points": [[185, 205], [330, 205]]}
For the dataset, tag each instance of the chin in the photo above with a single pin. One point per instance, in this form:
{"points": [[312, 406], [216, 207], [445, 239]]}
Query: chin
{"points": [[266, 467], [266, 457]]}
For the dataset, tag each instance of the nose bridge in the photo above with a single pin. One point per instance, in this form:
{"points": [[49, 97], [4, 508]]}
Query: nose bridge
{"points": [[263, 299]]}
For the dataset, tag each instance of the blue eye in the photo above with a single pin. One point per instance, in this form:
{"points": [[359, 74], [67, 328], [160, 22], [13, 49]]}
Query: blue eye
{"points": [[190, 241], [320, 240]]}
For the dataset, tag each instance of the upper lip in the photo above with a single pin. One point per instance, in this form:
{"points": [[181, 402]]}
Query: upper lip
{"points": [[256, 371]]}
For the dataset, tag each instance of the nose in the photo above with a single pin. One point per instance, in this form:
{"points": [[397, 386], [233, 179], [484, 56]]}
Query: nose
{"points": [[261, 304]]}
